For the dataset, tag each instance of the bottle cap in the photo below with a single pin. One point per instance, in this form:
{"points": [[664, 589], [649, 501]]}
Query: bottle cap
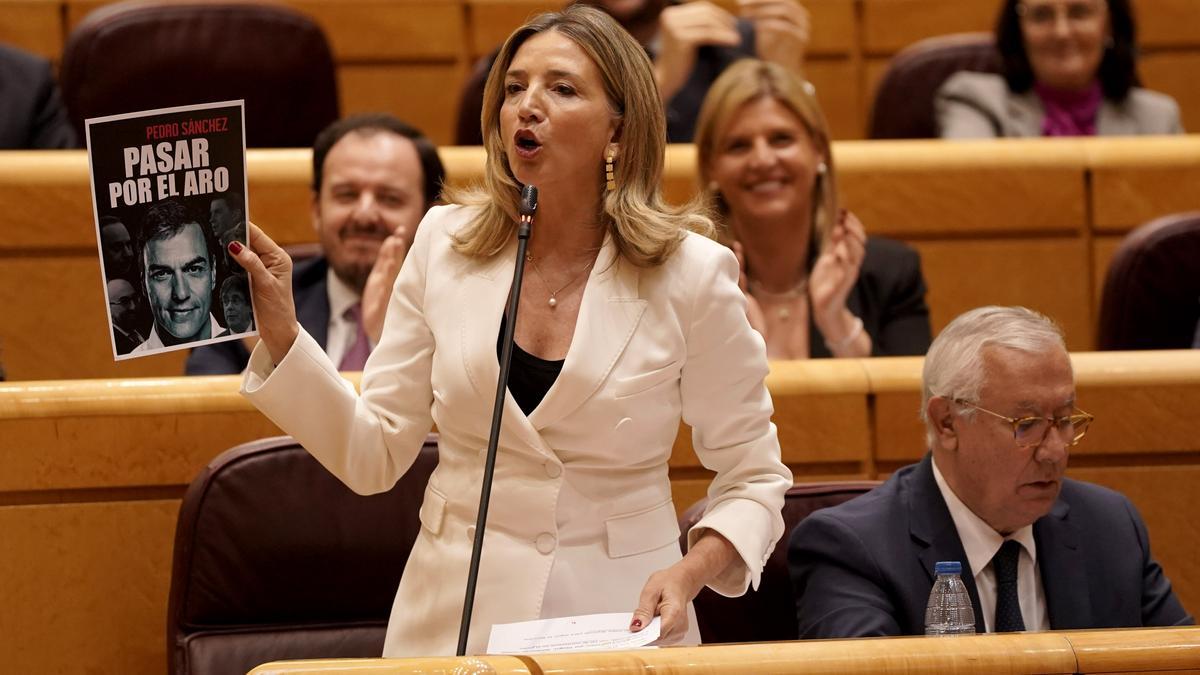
{"points": [[947, 567]]}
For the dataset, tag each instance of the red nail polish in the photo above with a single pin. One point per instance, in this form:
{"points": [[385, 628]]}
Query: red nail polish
{"points": [[637, 623], [235, 247]]}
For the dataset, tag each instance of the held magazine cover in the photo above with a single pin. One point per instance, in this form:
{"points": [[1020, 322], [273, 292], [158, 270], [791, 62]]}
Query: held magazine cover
{"points": [[169, 194]]}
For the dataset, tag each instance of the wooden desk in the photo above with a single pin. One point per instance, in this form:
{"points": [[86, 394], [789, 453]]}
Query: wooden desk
{"points": [[1142, 650], [1030, 222], [84, 464]]}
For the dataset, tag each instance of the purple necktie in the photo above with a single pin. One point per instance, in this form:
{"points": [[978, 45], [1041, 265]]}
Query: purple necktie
{"points": [[356, 357]]}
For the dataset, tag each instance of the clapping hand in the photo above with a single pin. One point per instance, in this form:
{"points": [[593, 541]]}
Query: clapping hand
{"points": [[270, 270], [377, 292], [834, 275], [781, 30], [683, 29]]}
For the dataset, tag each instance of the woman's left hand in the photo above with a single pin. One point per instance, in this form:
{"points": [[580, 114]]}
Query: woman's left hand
{"points": [[377, 292], [668, 592], [836, 272]]}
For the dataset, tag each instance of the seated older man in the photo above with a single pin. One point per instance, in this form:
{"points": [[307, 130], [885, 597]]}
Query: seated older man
{"points": [[1038, 551]]}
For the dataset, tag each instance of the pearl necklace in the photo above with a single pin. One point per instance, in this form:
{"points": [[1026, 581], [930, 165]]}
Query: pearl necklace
{"points": [[553, 301], [784, 299]]}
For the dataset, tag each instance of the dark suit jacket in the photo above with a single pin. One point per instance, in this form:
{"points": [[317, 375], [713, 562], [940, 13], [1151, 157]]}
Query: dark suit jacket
{"points": [[311, 294], [32, 115], [865, 568], [889, 297]]}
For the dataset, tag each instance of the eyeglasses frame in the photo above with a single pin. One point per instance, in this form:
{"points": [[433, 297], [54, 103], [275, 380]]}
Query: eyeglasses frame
{"points": [[1087, 418]]}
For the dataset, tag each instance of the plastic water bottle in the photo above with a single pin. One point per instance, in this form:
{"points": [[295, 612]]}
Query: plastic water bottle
{"points": [[949, 611]]}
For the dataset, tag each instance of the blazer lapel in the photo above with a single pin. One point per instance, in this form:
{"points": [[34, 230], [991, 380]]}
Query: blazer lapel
{"points": [[481, 300], [930, 525], [1061, 559], [1025, 114], [608, 313], [1114, 120]]}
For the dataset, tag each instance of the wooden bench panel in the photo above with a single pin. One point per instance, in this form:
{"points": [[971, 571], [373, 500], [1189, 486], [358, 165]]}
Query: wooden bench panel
{"points": [[87, 453], [375, 30], [821, 416], [1168, 23], [47, 200], [489, 22], [933, 188], [891, 25], [840, 103], [86, 584], [1050, 275], [54, 326], [1135, 180], [32, 25], [424, 95]]}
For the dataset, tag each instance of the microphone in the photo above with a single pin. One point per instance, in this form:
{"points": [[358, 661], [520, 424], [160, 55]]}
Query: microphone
{"points": [[528, 205], [529, 200]]}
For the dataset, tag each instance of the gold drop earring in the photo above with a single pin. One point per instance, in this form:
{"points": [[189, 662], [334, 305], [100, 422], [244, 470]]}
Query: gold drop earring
{"points": [[610, 172]]}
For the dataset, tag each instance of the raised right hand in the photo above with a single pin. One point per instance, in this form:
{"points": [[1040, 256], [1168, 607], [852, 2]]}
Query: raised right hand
{"points": [[684, 28], [270, 270]]}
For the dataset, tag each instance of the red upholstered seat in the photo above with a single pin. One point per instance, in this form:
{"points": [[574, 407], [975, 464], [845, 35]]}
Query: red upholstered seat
{"points": [[276, 559], [134, 56], [1151, 296], [903, 106], [768, 614]]}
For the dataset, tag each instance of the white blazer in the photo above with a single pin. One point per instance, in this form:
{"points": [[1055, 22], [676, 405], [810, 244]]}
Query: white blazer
{"points": [[581, 510]]}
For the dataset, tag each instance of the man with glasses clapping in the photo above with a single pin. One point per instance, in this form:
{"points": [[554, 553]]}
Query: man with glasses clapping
{"points": [[1039, 551]]}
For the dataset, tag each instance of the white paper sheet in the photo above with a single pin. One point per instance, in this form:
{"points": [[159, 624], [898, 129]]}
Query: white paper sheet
{"points": [[588, 633]]}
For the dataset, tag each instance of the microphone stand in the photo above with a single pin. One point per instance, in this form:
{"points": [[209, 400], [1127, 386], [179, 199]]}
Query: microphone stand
{"points": [[527, 208]]}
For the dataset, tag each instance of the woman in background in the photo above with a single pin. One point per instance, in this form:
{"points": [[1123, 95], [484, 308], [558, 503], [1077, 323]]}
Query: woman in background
{"points": [[1069, 69], [815, 284]]}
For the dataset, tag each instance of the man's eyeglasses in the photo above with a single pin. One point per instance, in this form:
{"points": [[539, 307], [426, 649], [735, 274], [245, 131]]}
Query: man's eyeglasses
{"points": [[1030, 432], [1045, 14]]}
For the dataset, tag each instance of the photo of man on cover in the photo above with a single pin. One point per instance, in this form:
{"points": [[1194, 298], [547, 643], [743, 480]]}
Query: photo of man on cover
{"points": [[179, 273]]}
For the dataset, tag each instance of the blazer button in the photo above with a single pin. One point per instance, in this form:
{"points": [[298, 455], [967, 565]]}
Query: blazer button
{"points": [[553, 469], [545, 542], [470, 533]]}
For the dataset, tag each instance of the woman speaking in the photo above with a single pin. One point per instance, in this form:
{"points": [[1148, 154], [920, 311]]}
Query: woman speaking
{"points": [[629, 322]]}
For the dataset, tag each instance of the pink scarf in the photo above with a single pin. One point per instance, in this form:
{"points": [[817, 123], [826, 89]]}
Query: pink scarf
{"points": [[1070, 113]]}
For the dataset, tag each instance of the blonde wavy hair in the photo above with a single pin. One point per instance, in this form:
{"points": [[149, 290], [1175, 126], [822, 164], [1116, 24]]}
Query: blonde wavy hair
{"points": [[644, 227], [749, 80]]}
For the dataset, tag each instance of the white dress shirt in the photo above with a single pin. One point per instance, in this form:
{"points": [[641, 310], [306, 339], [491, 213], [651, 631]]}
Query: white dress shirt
{"points": [[982, 543], [155, 343]]}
